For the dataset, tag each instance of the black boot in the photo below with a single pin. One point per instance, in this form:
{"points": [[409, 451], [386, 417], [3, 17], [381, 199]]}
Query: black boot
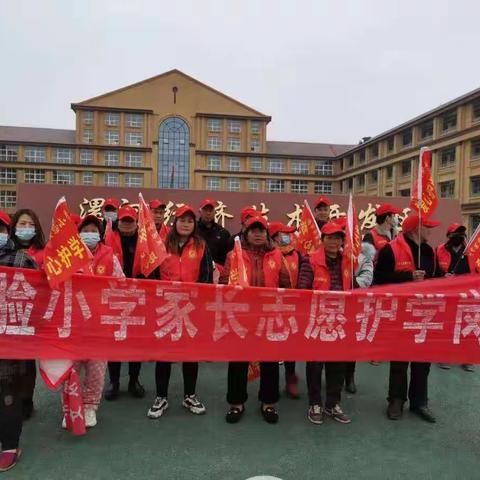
{"points": [[395, 409], [350, 386], [113, 392], [135, 389]]}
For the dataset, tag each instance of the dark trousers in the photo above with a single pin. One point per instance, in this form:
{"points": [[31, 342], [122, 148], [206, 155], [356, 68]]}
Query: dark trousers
{"points": [[335, 377], [289, 369], [162, 377], [28, 382], [398, 383], [350, 369], [10, 412], [114, 371], [238, 379]]}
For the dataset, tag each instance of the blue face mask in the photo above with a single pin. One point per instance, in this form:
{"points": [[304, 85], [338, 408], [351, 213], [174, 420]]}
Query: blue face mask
{"points": [[25, 234], [285, 240], [110, 216], [90, 239], [3, 239]]}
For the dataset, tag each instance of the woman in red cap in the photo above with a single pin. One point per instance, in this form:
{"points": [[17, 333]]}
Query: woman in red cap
{"points": [[265, 268], [13, 373], [189, 261]]}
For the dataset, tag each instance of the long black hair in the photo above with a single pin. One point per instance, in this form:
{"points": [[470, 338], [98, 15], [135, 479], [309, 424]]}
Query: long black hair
{"points": [[38, 241], [172, 242]]}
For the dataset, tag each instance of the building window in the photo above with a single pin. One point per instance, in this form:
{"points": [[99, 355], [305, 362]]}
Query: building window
{"points": [[475, 186], [234, 126], [276, 166], [35, 155], [87, 178], [86, 157], [213, 183], [474, 222], [254, 145], [300, 167], [255, 127], [8, 199], [449, 121], [214, 125], [374, 150], [87, 136], [34, 176], [388, 194], [111, 179], [391, 144], [233, 184], [256, 164], [350, 183], [64, 155], [253, 185], [214, 163], [389, 172], [234, 164], [324, 167], [8, 176], [233, 144], [447, 189], [134, 180], [426, 130], [407, 138], [112, 119], [275, 186], [373, 177], [134, 120], [361, 156], [299, 186], [476, 111], [350, 162], [475, 149], [63, 177], [406, 168], [87, 118], [174, 154], [8, 153], [326, 187], [214, 143], [361, 181], [112, 158], [134, 159], [447, 157], [133, 138], [112, 137], [404, 193]]}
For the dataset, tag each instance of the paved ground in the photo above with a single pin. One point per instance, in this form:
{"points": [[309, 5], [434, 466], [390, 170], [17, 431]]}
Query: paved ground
{"points": [[126, 444]]}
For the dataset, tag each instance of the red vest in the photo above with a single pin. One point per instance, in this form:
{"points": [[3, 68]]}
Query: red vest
{"points": [[379, 241], [321, 273], [272, 265], [37, 255], [292, 262], [102, 263], [184, 267], [445, 259], [404, 261]]}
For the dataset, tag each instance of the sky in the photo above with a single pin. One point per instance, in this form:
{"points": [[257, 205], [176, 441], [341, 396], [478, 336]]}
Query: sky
{"points": [[325, 70]]}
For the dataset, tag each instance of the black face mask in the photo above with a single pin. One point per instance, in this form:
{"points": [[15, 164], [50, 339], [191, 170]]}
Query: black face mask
{"points": [[456, 241]]}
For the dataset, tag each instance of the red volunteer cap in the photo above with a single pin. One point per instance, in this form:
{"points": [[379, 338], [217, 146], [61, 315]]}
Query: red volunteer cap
{"points": [[387, 208], [127, 212], [180, 212], [331, 228], [208, 202], [277, 227], [256, 219], [412, 221], [111, 202], [323, 200], [5, 218], [455, 227], [156, 204], [89, 219], [249, 212]]}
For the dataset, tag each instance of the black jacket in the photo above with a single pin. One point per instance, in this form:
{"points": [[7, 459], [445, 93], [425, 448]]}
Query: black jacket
{"points": [[217, 239]]}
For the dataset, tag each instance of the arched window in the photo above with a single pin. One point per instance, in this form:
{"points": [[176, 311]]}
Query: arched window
{"points": [[173, 154]]}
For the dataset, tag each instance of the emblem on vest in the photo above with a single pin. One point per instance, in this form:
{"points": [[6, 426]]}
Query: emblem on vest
{"points": [[192, 254], [271, 264], [100, 269]]}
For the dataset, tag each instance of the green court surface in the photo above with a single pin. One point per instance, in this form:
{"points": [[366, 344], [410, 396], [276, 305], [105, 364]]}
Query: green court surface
{"points": [[127, 445]]}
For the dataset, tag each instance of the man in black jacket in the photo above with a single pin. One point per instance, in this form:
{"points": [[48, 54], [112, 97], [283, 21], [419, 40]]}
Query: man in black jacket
{"points": [[399, 262]]}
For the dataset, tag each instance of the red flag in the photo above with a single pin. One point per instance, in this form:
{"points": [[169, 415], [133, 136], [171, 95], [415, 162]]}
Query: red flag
{"points": [[424, 194], [150, 252], [353, 240], [238, 272], [73, 405], [65, 252], [472, 250], [308, 239]]}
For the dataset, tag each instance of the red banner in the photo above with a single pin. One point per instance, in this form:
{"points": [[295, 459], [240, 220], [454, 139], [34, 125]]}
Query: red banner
{"points": [[102, 318]]}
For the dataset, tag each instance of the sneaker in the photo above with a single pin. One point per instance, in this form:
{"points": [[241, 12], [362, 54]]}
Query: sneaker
{"points": [[424, 413], [90, 417], [194, 405], [135, 388], [444, 366], [315, 414], [234, 414], [270, 414], [337, 414], [113, 392], [468, 367], [158, 408], [9, 458]]}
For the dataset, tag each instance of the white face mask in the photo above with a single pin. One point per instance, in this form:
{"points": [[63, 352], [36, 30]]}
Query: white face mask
{"points": [[394, 221], [110, 216], [284, 240], [3, 239]]}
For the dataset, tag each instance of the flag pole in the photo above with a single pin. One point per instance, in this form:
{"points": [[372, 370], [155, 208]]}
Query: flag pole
{"points": [[350, 232]]}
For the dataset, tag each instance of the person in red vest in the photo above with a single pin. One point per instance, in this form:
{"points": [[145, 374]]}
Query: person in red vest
{"points": [[158, 211], [452, 261], [281, 238], [189, 261], [327, 272], [398, 262], [103, 263], [385, 229], [110, 209], [123, 241], [265, 268], [245, 214], [27, 234], [321, 211]]}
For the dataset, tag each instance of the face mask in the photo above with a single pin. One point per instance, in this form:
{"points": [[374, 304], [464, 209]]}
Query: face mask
{"points": [[285, 240], [110, 216], [25, 233], [3, 239], [90, 239], [394, 221]]}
